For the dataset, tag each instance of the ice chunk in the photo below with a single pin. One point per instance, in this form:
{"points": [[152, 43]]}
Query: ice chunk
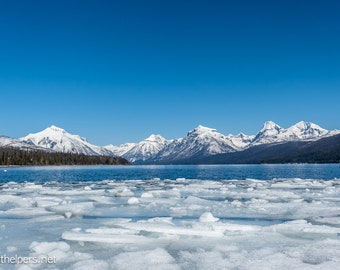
{"points": [[208, 217], [133, 200], [125, 192], [24, 213], [105, 238], [11, 249], [90, 264], [146, 195], [151, 259], [60, 252], [70, 209], [46, 247]]}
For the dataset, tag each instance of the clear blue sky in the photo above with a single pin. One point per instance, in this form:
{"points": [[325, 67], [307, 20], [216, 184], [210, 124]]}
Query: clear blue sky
{"points": [[117, 71]]}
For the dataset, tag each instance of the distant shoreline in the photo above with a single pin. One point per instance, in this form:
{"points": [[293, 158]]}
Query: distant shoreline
{"points": [[11, 156], [141, 165]]}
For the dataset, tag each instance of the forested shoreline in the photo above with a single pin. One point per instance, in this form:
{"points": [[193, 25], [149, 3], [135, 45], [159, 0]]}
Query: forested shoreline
{"points": [[10, 156]]}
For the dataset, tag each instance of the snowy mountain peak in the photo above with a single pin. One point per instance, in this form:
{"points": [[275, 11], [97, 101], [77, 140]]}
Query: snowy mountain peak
{"points": [[144, 149], [202, 130], [155, 138], [305, 130], [302, 125], [241, 135], [56, 129], [120, 150], [272, 133], [270, 125], [57, 139], [268, 133], [202, 141], [53, 133]]}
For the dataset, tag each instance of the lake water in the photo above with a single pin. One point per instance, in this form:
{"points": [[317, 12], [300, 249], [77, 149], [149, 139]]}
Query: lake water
{"points": [[200, 172], [171, 217]]}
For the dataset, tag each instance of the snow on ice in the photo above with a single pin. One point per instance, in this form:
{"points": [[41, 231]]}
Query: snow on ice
{"points": [[173, 224]]}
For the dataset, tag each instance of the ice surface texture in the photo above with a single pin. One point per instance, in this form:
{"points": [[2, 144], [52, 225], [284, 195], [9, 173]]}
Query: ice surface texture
{"points": [[173, 224]]}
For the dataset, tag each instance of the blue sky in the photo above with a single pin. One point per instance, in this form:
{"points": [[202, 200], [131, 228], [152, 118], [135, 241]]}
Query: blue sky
{"points": [[117, 71]]}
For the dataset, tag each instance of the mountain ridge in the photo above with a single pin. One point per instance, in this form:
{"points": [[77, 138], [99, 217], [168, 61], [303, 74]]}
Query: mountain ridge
{"points": [[324, 150], [200, 143], [271, 133]]}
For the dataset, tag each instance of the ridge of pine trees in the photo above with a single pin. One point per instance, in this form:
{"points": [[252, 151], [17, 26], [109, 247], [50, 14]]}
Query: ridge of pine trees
{"points": [[15, 156]]}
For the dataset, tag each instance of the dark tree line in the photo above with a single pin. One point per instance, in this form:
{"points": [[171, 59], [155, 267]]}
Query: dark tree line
{"points": [[16, 156]]}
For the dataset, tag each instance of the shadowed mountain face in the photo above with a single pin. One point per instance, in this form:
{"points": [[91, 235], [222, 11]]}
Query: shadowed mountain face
{"points": [[326, 150]]}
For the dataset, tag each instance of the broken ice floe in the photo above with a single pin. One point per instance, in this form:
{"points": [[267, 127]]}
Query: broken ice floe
{"points": [[180, 224]]}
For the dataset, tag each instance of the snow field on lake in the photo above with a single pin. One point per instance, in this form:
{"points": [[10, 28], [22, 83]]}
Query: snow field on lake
{"points": [[173, 224]]}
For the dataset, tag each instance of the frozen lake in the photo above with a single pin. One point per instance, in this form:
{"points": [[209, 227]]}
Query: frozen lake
{"points": [[172, 217]]}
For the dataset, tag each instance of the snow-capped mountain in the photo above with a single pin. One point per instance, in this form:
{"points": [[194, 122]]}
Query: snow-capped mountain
{"points": [[59, 140], [143, 150], [10, 142], [120, 150], [202, 141], [268, 134], [301, 131], [241, 140], [304, 131]]}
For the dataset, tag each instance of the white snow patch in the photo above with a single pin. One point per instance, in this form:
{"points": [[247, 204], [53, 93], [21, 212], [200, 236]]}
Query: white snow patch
{"points": [[207, 217], [151, 259], [133, 200]]}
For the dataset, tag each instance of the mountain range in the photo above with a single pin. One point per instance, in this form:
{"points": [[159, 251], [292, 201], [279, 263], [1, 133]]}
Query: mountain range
{"points": [[201, 145]]}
